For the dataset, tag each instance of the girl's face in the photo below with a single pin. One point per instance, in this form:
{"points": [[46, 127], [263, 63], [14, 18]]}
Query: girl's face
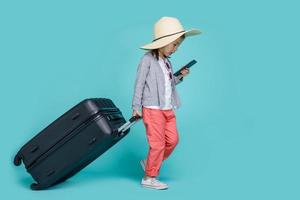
{"points": [[170, 48]]}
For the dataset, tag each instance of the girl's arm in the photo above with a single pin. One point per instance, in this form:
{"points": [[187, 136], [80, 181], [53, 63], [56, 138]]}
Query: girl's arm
{"points": [[142, 72], [179, 78]]}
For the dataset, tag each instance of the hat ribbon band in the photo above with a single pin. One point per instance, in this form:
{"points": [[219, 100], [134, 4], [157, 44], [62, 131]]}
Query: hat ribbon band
{"points": [[167, 35]]}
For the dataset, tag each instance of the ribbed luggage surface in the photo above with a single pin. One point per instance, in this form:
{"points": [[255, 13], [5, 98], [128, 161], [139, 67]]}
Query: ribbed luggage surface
{"points": [[71, 142]]}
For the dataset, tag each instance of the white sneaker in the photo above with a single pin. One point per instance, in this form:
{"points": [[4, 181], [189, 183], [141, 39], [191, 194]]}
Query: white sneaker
{"points": [[143, 164], [154, 184]]}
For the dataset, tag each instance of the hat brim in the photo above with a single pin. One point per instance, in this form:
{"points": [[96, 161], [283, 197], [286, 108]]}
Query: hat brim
{"points": [[167, 40]]}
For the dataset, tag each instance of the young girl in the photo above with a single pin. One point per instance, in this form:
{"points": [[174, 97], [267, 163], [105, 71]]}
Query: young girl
{"points": [[156, 95]]}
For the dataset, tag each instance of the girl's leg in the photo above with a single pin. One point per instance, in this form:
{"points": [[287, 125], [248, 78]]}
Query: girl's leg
{"points": [[171, 133], [154, 121]]}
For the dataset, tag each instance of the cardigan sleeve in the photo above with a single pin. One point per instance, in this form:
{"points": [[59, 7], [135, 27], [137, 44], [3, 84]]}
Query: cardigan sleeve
{"points": [[142, 72], [178, 80]]}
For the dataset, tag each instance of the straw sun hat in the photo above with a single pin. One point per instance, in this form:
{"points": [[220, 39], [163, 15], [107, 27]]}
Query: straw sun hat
{"points": [[167, 30]]}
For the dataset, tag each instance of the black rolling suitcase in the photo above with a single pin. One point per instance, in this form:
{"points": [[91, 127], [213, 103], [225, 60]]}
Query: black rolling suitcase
{"points": [[73, 141]]}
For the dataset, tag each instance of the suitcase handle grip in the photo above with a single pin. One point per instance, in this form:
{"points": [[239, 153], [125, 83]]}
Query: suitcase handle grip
{"points": [[18, 159], [114, 117], [134, 118]]}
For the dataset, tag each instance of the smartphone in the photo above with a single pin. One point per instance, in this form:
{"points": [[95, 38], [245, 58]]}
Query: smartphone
{"points": [[185, 66]]}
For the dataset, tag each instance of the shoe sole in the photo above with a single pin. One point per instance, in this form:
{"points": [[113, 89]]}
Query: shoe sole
{"points": [[156, 188]]}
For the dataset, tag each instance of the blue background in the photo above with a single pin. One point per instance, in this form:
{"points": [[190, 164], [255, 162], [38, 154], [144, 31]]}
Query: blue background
{"points": [[239, 120]]}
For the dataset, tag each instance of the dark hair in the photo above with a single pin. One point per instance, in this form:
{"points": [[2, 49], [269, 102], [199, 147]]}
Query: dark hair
{"points": [[155, 52]]}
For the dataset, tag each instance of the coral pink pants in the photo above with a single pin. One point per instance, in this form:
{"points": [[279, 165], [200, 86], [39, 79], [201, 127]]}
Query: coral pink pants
{"points": [[162, 136]]}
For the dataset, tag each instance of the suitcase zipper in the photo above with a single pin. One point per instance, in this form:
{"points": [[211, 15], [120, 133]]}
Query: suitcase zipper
{"points": [[72, 133]]}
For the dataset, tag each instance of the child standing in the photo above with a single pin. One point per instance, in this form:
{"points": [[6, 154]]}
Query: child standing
{"points": [[156, 95]]}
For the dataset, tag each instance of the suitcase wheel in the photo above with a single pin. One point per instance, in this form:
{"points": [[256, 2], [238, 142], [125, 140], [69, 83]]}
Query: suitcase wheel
{"points": [[35, 186], [17, 160]]}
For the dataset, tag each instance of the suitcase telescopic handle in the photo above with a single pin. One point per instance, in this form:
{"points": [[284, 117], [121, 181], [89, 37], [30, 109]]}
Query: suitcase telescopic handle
{"points": [[128, 124]]}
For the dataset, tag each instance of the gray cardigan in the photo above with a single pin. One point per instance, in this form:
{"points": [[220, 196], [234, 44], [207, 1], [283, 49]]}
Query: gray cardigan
{"points": [[149, 87]]}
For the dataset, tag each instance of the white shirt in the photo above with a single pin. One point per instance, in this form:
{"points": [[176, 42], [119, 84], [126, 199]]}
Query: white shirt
{"points": [[168, 87]]}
